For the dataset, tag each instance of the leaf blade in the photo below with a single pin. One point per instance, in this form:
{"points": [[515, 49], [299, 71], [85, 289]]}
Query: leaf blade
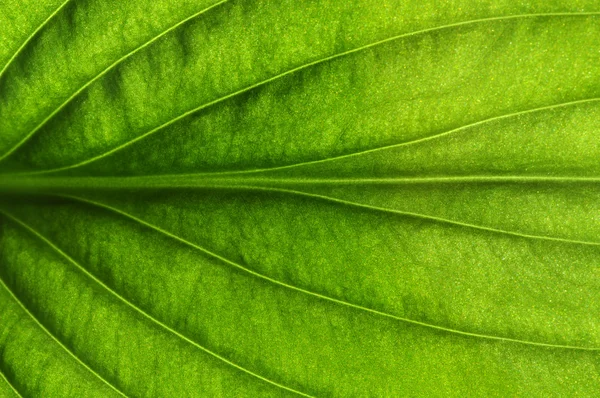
{"points": [[303, 198]]}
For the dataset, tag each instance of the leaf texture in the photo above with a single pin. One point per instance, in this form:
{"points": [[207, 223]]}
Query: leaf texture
{"points": [[299, 198]]}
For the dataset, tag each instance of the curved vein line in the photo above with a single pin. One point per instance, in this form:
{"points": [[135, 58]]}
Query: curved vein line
{"points": [[301, 67], [415, 215], [30, 37], [10, 385], [414, 141], [102, 73], [318, 295], [34, 318], [140, 311], [142, 183], [378, 149]]}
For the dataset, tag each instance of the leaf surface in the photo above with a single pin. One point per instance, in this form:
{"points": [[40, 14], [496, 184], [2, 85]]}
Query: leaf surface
{"points": [[299, 198]]}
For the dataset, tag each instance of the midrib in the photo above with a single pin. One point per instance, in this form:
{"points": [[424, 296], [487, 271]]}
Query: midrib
{"points": [[55, 184]]}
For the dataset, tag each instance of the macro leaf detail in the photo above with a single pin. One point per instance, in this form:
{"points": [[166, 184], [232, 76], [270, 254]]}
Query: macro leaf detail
{"points": [[299, 198]]}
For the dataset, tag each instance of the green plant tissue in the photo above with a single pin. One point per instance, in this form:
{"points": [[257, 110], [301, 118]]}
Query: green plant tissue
{"points": [[317, 198]]}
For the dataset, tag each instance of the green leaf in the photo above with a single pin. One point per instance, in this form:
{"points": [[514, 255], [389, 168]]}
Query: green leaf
{"points": [[299, 198]]}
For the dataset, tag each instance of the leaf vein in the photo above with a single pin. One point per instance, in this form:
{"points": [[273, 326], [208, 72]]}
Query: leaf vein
{"points": [[10, 385], [31, 36], [318, 295], [41, 326], [102, 73], [138, 309], [414, 141], [304, 66], [422, 216]]}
